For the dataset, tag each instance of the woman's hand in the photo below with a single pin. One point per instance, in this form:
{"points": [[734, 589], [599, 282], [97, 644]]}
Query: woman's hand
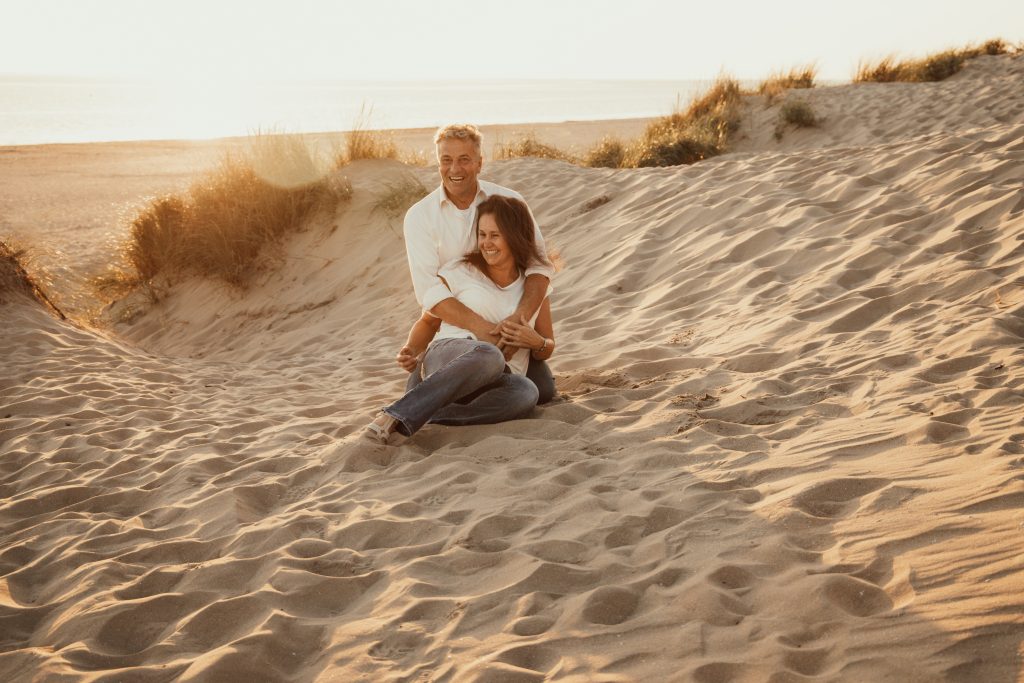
{"points": [[520, 334]]}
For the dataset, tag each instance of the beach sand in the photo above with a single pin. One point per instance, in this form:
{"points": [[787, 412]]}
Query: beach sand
{"points": [[788, 444]]}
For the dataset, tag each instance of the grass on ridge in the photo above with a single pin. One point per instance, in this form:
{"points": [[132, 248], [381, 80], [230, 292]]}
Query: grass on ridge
{"points": [[700, 131], [778, 82], [15, 279], [688, 135], [529, 146], [225, 225], [935, 67]]}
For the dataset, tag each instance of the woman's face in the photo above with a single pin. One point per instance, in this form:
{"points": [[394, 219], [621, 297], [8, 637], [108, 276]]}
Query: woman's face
{"points": [[492, 243]]}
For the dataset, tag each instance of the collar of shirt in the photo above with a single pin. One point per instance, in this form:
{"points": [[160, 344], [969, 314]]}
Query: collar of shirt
{"points": [[481, 194]]}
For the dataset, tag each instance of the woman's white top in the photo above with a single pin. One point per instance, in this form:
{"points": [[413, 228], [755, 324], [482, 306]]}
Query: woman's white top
{"points": [[480, 294]]}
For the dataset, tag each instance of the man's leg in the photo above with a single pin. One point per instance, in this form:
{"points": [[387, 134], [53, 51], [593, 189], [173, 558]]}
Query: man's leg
{"points": [[455, 368], [540, 374], [510, 397]]}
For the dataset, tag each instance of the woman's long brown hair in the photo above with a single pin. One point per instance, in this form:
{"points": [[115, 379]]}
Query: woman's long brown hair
{"points": [[516, 225]]}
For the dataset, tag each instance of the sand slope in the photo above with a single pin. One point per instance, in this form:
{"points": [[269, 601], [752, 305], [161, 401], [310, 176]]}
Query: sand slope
{"points": [[788, 447]]}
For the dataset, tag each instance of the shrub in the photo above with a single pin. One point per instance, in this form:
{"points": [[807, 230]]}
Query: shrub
{"points": [[223, 225], [796, 113], [529, 146], [362, 142], [701, 131], [935, 67], [369, 144], [15, 280], [399, 196], [778, 82], [609, 153]]}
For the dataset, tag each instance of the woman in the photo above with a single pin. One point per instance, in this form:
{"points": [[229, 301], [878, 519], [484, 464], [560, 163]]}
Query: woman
{"points": [[466, 381]]}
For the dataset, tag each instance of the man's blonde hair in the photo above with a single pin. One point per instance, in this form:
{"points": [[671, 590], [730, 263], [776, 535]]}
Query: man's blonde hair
{"points": [[460, 131]]}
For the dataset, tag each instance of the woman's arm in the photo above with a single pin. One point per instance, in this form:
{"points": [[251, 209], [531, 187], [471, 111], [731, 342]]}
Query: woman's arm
{"points": [[420, 336], [540, 338]]}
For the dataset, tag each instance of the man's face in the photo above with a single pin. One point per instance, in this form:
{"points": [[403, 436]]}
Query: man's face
{"points": [[459, 163]]}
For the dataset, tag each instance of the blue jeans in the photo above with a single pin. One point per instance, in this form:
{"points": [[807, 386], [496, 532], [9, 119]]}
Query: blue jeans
{"points": [[465, 384]]}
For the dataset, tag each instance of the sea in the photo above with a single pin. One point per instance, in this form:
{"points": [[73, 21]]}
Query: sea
{"points": [[42, 110]]}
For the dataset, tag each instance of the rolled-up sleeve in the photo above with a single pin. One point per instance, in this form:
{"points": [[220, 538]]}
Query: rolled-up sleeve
{"points": [[422, 251], [546, 269]]}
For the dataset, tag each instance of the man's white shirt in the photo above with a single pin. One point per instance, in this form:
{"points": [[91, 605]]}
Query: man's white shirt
{"points": [[438, 232]]}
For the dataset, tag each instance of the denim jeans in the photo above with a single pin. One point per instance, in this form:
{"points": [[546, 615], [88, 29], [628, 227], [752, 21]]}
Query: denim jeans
{"points": [[465, 384]]}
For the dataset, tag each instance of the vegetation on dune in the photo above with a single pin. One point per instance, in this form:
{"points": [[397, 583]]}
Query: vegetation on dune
{"points": [[794, 79], [688, 135], [529, 146], [15, 279], [226, 224], [797, 113], [609, 153], [700, 131], [399, 196], [935, 67], [367, 144]]}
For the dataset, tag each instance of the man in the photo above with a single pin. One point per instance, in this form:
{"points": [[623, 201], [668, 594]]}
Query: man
{"points": [[440, 228]]}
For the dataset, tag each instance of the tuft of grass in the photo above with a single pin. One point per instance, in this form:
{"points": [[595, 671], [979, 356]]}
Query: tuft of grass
{"points": [[700, 131], [15, 280], [779, 82], [227, 223], [529, 146], [363, 142], [399, 196], [797, 113], [609, 153], [935, 67]]}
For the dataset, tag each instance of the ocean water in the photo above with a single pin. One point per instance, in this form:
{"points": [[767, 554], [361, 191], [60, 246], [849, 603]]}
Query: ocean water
{"points": [[55, 110]]}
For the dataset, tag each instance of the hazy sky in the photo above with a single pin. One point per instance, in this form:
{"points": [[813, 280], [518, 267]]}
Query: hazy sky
{"points": [[209, 40]]}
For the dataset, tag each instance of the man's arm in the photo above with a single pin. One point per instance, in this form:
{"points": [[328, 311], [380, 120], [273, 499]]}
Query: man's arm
{"points": [[454, 312], [431, 291], [535, 289]]}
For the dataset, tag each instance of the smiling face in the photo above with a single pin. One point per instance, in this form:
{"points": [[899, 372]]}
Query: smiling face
{"points": [[459, 163], [492, 244]]}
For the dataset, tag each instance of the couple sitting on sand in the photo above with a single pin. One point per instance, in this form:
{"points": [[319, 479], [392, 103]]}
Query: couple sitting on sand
{"points": [[481, 276]]}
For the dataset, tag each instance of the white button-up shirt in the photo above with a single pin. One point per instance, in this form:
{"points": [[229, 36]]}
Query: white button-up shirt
{"points": [[437, 232]]}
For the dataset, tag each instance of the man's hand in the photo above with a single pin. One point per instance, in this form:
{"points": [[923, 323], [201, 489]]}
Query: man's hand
{"points": [[519, 334], [499, 341], [407, 357]]}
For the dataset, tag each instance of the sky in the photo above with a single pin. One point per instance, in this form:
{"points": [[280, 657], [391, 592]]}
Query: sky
{"points": [[212, 40]]}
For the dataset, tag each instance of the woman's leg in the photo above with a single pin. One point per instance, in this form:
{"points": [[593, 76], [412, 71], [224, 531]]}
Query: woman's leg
{"points": [[455, 368], [540, 374], [510, 397]]}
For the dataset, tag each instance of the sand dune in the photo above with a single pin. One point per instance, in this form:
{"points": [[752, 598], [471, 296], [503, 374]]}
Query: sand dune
{"points": [[788, 444]]}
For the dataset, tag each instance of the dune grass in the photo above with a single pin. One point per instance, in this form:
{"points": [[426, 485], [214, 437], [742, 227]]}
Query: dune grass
{"points": [[362, 143], [780, 81], [609, 153], [399, 196], [228, 223], [934, 67], [798, 113], [529, 146], [15, 280], [688, 135], [699, 131]]}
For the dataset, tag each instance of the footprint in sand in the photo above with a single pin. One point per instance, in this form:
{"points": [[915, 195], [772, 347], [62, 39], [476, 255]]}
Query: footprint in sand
{"points": [[610, 605], [836, 497]]}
